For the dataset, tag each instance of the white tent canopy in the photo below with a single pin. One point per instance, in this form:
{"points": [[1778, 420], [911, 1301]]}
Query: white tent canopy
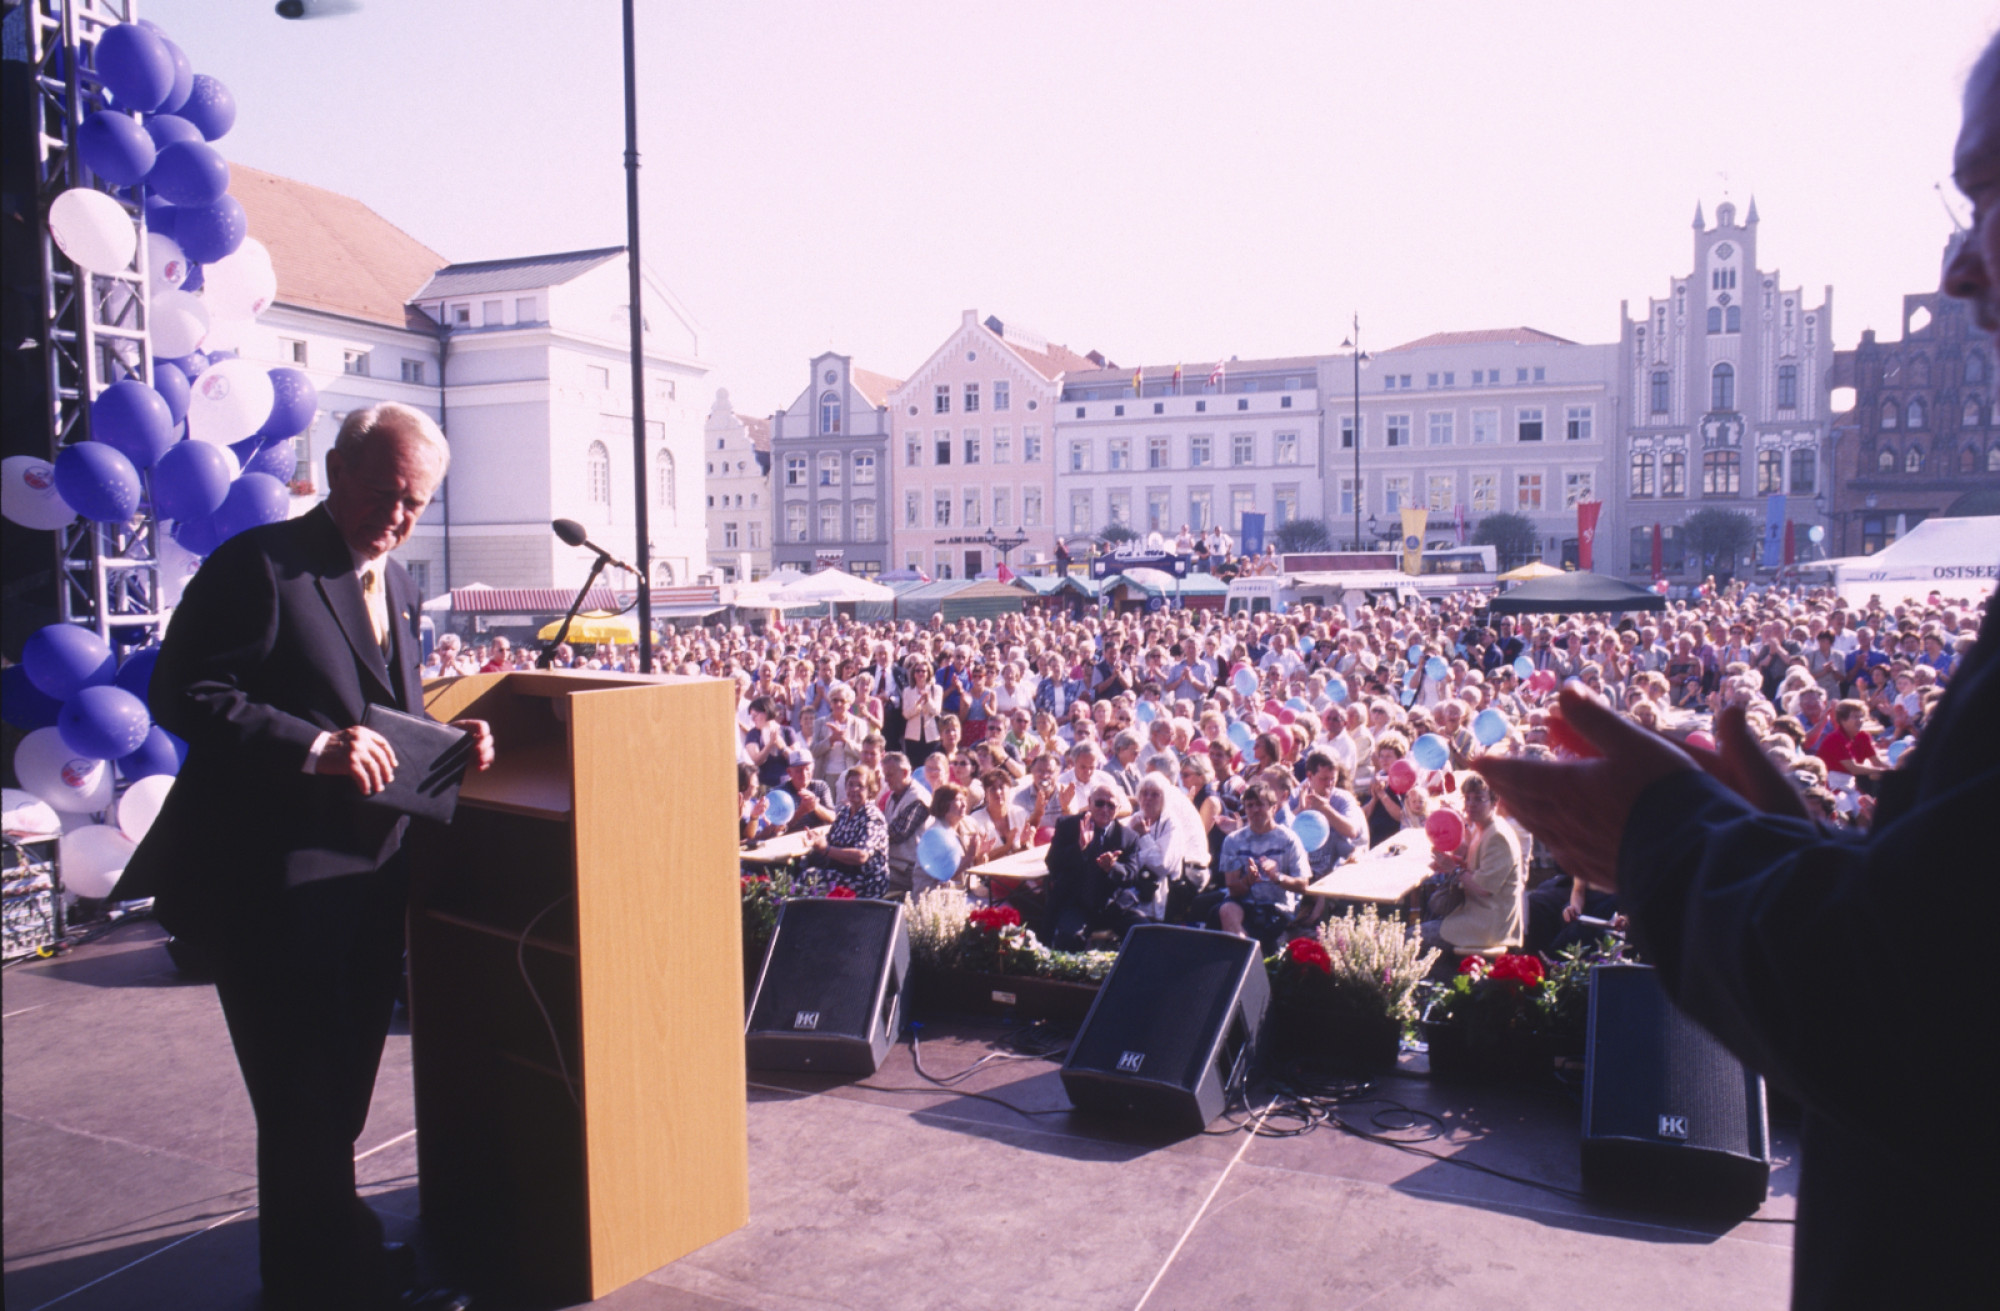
{"points": [[834, 586], [1953, 557]]}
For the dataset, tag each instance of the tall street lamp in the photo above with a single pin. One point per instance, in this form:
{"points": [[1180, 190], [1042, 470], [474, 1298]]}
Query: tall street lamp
{"points": [[1360, 357]]}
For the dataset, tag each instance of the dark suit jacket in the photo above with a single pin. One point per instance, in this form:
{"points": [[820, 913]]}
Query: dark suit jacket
{"points": [[1074, 877], [270, 646]]}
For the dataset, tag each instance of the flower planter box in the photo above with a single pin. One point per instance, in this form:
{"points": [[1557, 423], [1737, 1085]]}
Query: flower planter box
{"points": [[935, 992], [1456, 1057], [1336, 1039]]}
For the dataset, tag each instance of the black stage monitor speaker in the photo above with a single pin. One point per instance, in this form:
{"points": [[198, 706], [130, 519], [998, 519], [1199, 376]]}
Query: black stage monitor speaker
{"points": [[830, 996], [1173, 1027], [1670, 1118]]}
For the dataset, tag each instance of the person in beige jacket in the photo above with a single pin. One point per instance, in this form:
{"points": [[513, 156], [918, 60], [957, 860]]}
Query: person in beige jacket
{"points": [[1490, 871]]}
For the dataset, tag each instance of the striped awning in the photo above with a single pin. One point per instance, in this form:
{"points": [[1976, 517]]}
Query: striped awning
{"points": [[556, 600]]}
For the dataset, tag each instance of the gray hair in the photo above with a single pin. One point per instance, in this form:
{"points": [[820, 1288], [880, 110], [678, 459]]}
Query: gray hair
{"points": [[389, 416]]}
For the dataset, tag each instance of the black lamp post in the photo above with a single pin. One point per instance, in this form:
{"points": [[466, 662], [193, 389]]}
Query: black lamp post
{"points": [[637, 328], [1360, 356]]}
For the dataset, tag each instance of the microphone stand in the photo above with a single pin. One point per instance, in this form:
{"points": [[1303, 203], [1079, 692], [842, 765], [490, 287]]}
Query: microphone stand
{"points": [[548, 654]]}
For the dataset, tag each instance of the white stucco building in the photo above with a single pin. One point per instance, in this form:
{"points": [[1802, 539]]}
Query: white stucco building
{"points": [[736, 459], [829, 450]]}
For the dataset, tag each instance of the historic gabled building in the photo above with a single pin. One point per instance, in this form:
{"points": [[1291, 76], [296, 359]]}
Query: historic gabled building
{"points": [[736, 456], [1726, 394], [829, 453]]}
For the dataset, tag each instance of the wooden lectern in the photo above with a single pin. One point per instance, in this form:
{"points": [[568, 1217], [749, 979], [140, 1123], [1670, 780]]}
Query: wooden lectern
{"points": [[576, 985]]}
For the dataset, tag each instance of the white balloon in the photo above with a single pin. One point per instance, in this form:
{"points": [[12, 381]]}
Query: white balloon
{"points": [[28, 494], [93, 230], [166, 264], [140, 805], [247, 337], [69, 782], [180, 323], [27, 814], [230, 401], [93, 858], [240, 285]]}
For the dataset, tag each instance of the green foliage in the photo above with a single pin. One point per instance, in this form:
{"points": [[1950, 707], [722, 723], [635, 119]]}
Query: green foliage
{"points": [[1302, 535], [1118, 533], [1717, 534], [1512, 536], [947, 933]]}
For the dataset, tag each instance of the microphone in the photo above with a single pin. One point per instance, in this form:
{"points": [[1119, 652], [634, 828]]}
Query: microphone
{"points": [[573, 534]]}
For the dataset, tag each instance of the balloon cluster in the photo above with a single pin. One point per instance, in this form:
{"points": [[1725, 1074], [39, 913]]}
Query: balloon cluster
{"points": [[86, 724], [209, 441]]}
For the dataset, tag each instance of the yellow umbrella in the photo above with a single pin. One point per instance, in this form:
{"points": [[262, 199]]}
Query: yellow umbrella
{"points": [[1529, 572], [595, 626]]}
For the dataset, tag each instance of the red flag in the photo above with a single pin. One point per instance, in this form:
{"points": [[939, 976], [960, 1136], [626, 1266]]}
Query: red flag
{"points": [[1791, 543], [1659, 571], [1003, 573], [1586, 532], [1215, 376]]}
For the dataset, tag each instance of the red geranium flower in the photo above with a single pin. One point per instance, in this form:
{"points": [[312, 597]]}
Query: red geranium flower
{"points": [[840, 892], [1472, 965], [1308, 951], [1526, 970], [994, 918]]}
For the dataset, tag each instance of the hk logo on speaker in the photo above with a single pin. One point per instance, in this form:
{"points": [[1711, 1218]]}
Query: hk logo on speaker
{"points": [[806, 1020], [1129, 1062], [1674, 1126]]}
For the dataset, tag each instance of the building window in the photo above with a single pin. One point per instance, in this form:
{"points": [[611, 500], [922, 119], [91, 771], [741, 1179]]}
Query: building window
{"points": [[1003, 507], [1891, 412], [1528, 425], [913, 509], [972, 446], [1576, 487], [1485, 427], [1201, 451], [1805, 472], [1528, 491], [795, 471], [1969, 417], [1993, 459], [974, 510], [913, 450], [1788, 386], [461, 315], [795, 521], [292, 351], [1441, 423], [1118, 508], [1642, 473], [1284, 505], [1520, 375], [1201, 509], [1396, 493], [1346, 432], [1242, 449], [354, 362], [1577, 423], [829, 470], [1917, 417], [1031, 445], [1674, 473], [1715, 318], [1348, 489], [1242, 501], [1031, 507], [1003, 446], [829, 521], [1722, 388], [1156, 452], [1079, 513], [1913, 460], [1721, 473], [1285, 448], [1119, 449], [1662, 385], [524, 309], [729, 536], [972, 398], [941, 507], [1541, 374], [1885, 461], [1002, 398], [1733, 317], [1079, 457], [493, 313], [1770, 472], [413, 370], [864, 521], [829, 414], [1430, 380], [1441, 492], [1396, 430], [941, 399], [1159, 510], [665, 494], [864, 468], [597, 474], [1485, 493]]}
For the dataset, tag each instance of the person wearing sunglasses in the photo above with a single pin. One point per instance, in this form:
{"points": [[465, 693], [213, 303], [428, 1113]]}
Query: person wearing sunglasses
{"points": [[1095, 885]]}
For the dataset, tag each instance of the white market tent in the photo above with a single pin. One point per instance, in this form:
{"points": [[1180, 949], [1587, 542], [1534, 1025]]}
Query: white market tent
{"points": [[832, 586], [1954, 557]]}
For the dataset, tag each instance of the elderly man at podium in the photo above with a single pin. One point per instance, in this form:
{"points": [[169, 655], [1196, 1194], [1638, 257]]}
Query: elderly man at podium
{"points": [[268, 860]]}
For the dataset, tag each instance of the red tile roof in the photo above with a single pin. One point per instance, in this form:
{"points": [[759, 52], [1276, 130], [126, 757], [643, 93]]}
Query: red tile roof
{"points": [[875, 386], [1489, 337], [332, 252], [1053, 362]]}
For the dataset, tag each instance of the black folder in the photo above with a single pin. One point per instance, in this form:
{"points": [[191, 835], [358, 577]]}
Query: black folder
{"points": [[431, 759]]}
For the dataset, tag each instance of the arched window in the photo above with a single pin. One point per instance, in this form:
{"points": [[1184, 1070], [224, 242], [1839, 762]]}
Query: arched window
{"points": [[1885, 462], [1715, 318], [663, 488], [1722, 388], [1993, 459], [1913, 460], [1735, 318], [1970, 417], [1968, 460], [1920, 372], [597, 476], [1642, 473], [1890, 412], [1975, 368], [1916, 412], [829, 413]]}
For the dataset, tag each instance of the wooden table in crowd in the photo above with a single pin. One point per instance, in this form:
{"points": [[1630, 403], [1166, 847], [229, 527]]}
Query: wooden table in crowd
{"points": [[1028, 863], [1388, 873], [783, 849]]}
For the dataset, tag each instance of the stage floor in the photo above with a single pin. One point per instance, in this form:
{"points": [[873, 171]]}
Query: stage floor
{"points": [[130, 1183]]}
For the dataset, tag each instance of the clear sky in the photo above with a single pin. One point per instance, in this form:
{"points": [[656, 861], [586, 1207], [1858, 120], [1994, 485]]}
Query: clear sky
{"points": [[1161, 181]]}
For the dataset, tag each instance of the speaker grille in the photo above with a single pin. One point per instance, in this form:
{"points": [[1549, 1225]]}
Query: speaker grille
{"points": [[825, 963], [1164, 1003]]}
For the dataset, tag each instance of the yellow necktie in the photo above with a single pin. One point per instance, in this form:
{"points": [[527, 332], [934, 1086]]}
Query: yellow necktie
{"points": [[378, 611]]}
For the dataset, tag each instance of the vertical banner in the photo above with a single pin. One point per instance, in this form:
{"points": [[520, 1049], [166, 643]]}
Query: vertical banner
{"points": [[1586, 533], [1791, 543], [1774, 529], [1253, 533], [1659, 565], [1414, 519]]}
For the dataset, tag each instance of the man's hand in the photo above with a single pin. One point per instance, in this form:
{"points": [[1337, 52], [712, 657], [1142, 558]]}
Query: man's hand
{"points": [[482, 740], [1107, 860], [361, 754]]}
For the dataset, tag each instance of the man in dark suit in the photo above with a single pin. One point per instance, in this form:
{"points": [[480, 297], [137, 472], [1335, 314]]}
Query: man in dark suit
{"points": [[1094, 884], [265, 858]]}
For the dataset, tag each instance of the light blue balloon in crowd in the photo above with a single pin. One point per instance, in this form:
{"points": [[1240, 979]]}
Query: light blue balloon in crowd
{"points": [[104, 723], [1488, 727], [1410, 678], [1337, 689], [1524, 666], [1311, 828], [1145, 713], [1430, 752], [1435, 668], [779, 808], [1409, 695], [1416, 651], [1244, 682], [938, 854], [1897, 750], [1242, 735]]}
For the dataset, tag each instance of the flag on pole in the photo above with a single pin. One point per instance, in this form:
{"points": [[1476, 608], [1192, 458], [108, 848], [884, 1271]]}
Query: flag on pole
{"points": [[1659, 568], [1774, 529], [1586, 533], [1215, 375], [1138, 379], [1414, 518], [1177, 380]]}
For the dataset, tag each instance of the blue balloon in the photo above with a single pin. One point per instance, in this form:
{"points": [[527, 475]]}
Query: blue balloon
{"points": [[191, 365], [1312, 829], [779, 808], [98, 481], [938, 854], [208, 233], [190, 482], [183, 76], [279, 460], [194, 281], [173, 386], [1298, 705], [1242, 735], [1430, 752], [1416, 651], [1435, 668], [295, 402], [160, 217], [116, 147], [24, 705], [1245, 682], [1524, 666], [254, 499], [161, 753], [1409, 695], [104, 723], [1144, 712], [134, 420], [1897, 750], [63, 659], [166, 129], [210, 107], [1488, 727], [1337, 689], [135, 66], [190, 174], [198, 537], [135, 675]]}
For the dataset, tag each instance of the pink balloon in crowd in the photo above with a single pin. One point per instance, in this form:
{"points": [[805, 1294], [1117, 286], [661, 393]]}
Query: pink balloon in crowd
{"points": [[1445, 828], [1402, 776], [1702, 740]]}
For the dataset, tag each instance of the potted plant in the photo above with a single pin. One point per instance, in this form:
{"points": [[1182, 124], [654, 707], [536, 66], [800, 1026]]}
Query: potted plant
{"points": [[763, 894], [1341, 1000], [1488, 1022], [983, 960]]}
